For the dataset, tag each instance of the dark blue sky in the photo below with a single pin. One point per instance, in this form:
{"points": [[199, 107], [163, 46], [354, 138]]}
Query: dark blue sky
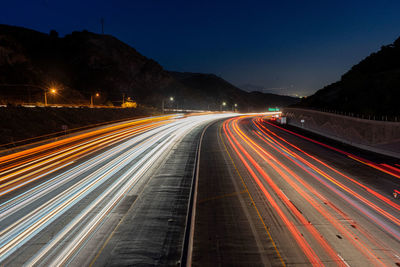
{"points": [[284, 46]]}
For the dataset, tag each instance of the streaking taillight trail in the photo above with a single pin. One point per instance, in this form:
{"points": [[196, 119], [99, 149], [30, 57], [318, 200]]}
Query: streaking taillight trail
{"points": [[254, 149]]}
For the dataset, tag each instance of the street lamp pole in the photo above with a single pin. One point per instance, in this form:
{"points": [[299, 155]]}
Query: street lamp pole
{"points": [[163, 103], [91, 99], [223, 105], [36, 86], [52, 90]]}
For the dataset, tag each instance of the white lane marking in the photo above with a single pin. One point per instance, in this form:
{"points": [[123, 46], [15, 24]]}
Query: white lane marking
{"points": [[284, 194], [176, 131], [343, 260]]}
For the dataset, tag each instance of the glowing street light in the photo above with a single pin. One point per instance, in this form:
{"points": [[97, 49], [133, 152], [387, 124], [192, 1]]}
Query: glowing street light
{"points": [[223, 105], [91, 99], [51, 90], [171, 98]]}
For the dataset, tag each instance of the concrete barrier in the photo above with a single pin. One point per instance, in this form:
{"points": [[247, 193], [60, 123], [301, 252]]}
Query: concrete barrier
{"points": [[376, 136]]}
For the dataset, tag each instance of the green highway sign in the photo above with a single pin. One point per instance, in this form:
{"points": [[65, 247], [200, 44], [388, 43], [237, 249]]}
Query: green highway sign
{"points": [[273, 109]]}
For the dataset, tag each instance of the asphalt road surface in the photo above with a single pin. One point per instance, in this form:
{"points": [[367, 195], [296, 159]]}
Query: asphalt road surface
{"points": [[270, 197], [119, 195], [112, 196]]}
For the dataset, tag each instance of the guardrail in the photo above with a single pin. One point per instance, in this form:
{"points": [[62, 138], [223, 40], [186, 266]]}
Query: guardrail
{"points": [[372, 135], [392, 118]]}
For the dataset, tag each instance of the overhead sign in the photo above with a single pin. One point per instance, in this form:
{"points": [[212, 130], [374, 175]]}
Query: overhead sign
{"points": [[273, 109]]}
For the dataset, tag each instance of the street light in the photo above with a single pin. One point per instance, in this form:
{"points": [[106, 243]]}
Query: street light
{"points": [[223, 105], [51, 90], [163, 103], [91, 99]]}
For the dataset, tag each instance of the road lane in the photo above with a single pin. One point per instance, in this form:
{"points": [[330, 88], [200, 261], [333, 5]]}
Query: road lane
{"points": [[316, 210], [56, 198], [228, 229], [15, 168]]}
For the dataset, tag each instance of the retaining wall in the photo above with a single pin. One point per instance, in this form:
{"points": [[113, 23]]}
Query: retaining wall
{"points": [[20, 123], [376, 136]]}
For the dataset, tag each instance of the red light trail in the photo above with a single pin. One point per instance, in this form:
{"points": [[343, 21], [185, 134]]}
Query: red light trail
{"points": [[275, 164]]}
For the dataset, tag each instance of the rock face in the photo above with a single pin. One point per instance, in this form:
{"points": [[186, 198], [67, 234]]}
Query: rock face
{"points": [[84, 63], [371, 87]]}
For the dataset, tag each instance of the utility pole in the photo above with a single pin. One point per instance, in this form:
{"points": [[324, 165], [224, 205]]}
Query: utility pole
{"points": [[102, 25]]}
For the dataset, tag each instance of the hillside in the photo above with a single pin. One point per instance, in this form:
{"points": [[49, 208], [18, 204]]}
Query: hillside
{"points": [[79, 64], [84, 63], [215, 90], [372, 87]]}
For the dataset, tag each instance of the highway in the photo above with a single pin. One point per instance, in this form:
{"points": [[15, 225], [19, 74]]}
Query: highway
{"points": [[89, 198], [268, 196]]}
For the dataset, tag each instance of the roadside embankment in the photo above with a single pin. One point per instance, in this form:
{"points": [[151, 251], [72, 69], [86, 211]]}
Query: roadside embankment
{"points": [[377, 136], [19, 123]]}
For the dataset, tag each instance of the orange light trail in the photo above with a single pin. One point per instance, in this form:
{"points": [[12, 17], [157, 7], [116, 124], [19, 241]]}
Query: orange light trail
{"points": [[22, 177], [73, 201], [57, 144], [29, 166]]}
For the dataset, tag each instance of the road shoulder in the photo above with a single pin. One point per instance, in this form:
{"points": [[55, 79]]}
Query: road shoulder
{"points": [[228, 231]]}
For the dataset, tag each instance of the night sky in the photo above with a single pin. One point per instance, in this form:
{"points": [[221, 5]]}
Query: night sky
{"points": [[285, 47]]}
